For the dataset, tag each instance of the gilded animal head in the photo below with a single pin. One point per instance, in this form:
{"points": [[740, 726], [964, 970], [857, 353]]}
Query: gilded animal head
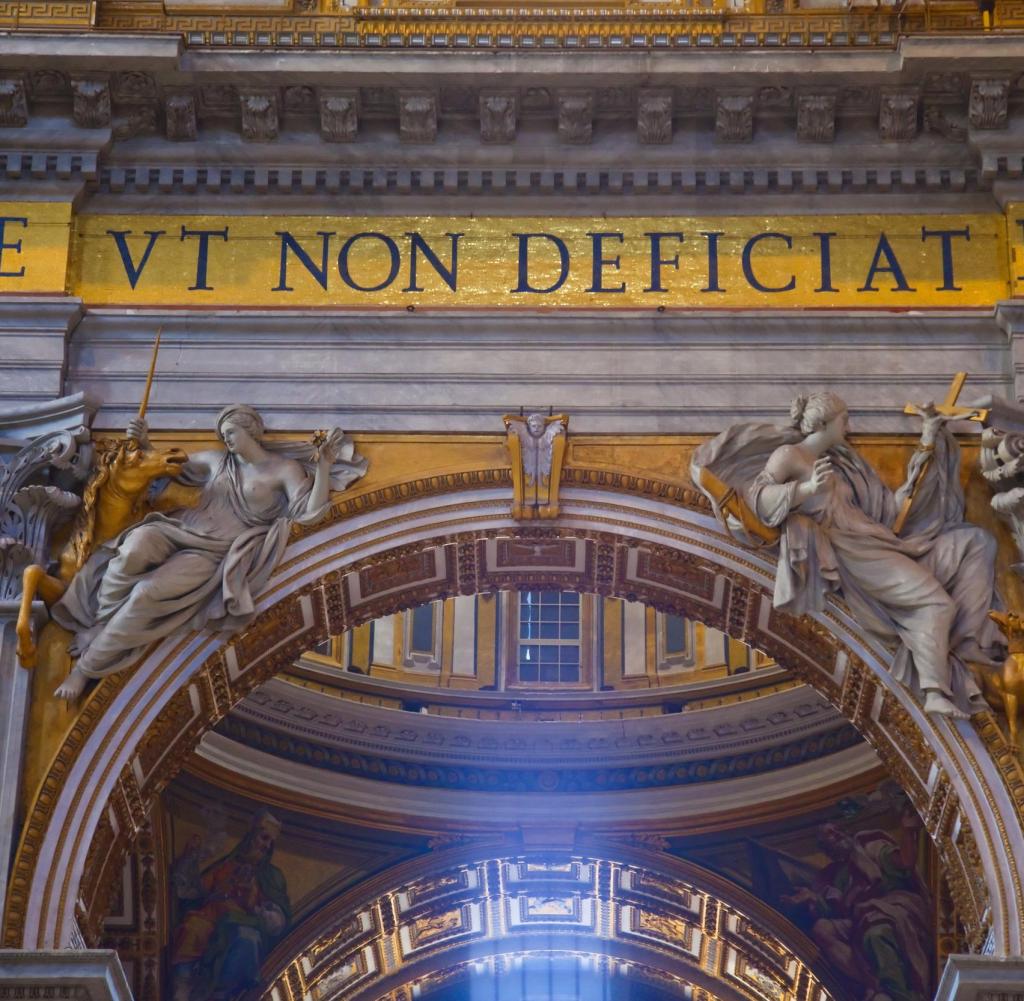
{"points": [[139, 466]]}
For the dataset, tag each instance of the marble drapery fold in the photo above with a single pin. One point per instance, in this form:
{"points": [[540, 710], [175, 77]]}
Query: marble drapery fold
{"points": [[201, 566], [924, 593]]}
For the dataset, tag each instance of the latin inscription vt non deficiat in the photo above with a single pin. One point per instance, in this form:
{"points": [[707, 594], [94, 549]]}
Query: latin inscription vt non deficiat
{"points": [[901, 261]]}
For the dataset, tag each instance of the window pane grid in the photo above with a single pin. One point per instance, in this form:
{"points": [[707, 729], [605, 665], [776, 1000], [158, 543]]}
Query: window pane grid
{"points": [[549, 634]]}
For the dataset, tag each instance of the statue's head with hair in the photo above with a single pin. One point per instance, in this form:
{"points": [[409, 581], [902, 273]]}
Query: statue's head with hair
{"points": [[811, 413], [241, 416]]}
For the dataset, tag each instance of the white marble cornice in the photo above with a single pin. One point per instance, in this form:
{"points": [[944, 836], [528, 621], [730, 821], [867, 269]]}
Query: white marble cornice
{"points": [[682, 372], [742, 728], [80, 974], [675, 807], [31, 420], [102, 50]]}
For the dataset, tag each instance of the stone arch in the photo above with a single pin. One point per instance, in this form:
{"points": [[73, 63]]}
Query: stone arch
{"points": [[673, 922], [618, 536]]}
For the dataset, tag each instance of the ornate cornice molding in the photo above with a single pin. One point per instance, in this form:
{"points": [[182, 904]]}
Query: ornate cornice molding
{"points": [[434, 752], [656, 811], [751, 725], [77, 975], [542, 779], [317, 179], [150, 124]]}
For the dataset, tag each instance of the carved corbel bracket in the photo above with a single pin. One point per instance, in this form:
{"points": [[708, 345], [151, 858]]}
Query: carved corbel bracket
{"points": [[260, 118], [339, 115], [898, 114], [576, 116], [31, 505], [417, 116], [816, 116], [499, 114], [654, 117], [988, 107], [91, 102], [180, 120], [13, 103], [734, 117], [536, 447]]}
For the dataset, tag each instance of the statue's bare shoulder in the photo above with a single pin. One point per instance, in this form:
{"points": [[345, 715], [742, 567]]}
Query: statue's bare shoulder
{"points": [[293, 477], [786, 463]]}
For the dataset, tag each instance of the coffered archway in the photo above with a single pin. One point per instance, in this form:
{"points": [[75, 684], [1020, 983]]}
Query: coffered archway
{"points": [[610, 909], [430, 538]]}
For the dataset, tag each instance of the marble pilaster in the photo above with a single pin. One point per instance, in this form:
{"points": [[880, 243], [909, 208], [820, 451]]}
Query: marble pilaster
{"points": [[15, 692], [77, 975], [41, 455], [982, 978], [1010, 317], [33, 341]]}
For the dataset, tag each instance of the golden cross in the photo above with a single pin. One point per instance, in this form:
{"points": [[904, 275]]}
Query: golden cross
{"points": [[948, 407]]}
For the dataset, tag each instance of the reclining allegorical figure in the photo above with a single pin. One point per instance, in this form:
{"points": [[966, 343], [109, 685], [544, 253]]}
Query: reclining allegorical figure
{"points": [[202, 565], [924, 587]]}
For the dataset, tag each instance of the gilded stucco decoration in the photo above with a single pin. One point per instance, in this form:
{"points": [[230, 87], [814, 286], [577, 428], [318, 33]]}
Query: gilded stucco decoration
{"points": [[304, 619], [329, 584], [673, 923], [536, 446], [113, 499], [533, 25]]}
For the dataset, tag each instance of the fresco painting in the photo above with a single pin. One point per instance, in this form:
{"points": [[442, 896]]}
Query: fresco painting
{"points": [[227, 914], [855, 880]]}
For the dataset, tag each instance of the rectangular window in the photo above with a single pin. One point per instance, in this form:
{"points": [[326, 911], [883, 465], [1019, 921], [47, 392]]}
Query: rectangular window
{"points": [[675, 634], [422, 632], [549, 637]]}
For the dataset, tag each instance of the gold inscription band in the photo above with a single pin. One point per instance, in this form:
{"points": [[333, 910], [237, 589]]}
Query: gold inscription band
{"points": [[710, 262]]}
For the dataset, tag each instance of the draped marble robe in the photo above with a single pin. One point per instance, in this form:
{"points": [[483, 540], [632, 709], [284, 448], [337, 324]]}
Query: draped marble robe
{"points": [[196, 567], [925, 593]]}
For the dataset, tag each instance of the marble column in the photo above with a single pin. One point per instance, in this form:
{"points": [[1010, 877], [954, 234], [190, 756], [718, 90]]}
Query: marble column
{"points": [[982, 978], [86, 975]]}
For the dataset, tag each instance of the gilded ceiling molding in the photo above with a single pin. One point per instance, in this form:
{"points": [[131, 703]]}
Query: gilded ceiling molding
{"points": [[438, 484], [135, 732], [417, 922], [536, 26]]}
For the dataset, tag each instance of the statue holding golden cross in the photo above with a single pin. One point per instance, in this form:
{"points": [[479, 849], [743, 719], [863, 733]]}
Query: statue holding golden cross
{"points": [[948, 410]]}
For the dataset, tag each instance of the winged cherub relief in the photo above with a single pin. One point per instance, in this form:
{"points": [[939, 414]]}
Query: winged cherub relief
{"points": [[536, 446]]}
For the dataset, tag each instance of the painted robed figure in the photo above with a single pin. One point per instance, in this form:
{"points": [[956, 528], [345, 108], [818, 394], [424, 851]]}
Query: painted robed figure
{"points": [[228, 915], [205, 564], [924, 590]]}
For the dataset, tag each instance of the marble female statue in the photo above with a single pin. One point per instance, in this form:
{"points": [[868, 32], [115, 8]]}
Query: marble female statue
{"points": [[925, 592], [202, 565]]}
